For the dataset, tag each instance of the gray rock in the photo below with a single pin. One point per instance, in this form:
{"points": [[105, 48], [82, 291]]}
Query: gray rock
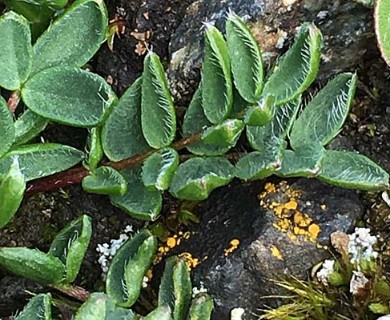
{"points": [[346, 26], [269, 247]]}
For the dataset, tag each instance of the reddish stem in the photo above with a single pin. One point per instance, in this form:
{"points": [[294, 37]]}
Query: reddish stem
{"points": [[13, 101], [76, 175]]}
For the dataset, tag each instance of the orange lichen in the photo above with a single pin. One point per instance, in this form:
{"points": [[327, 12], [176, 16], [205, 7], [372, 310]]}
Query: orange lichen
{"points": [[290, 220], [233, 245], [190, 261], [276, 252], [171, 242]]}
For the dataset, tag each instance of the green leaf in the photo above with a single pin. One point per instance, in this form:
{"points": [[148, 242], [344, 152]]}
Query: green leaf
{"points": [[16, 51], [32, 264], [217, 93], [53, 4], [122, 135], [324, 116], [38, 308], [260, 114], [176, 289], [297, 68], [139, 202], [245, 57], [28, 126], [94, 148], [42, 159], [158, 169], [69, 95], [259, 137], [382, 27], [12, 188], [38, 15], [260, 164], [7, 131], [201, 307], [105, 180], [352, 170], [158, 115], [128, 268], [71, 244], [303, 162], [194, 122], [73, 38], [225, 134], [100, 307], [197, 177], [160, 313]]}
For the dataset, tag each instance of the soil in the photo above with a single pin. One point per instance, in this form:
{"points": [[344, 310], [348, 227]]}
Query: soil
{"points": [[42, 215]]}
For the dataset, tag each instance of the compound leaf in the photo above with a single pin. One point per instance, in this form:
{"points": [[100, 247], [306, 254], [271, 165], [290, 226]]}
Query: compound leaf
{"points": [[197, 177], [122, 135], [32, 264], [139, 201], [324, 116], [278, 128], [16, 51], [351, 170], [194, 122], [38, 308], [105, 180], [12, 188], [201, 307], [7, 130], [71, 244], [176, 289], [245, 57], [128, 268], [382, 27], [158, 115], [100, 307], [217, 93], [73, 38], [69, 95], [225, 134], [42, 159], [158, 169], [303, 162], [28, 126], [297, 68]]}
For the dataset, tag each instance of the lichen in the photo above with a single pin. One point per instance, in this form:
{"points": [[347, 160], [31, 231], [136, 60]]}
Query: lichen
{"points": [[289, 218]]}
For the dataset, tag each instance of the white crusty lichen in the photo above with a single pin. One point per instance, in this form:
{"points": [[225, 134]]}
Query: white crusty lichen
{"points": [[360, 246], [325, 272], [237, 313], [107, 251]]}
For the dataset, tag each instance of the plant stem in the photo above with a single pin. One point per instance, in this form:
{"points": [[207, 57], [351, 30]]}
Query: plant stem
{"points": [[13, 101], [76, 175], [75, 292]]}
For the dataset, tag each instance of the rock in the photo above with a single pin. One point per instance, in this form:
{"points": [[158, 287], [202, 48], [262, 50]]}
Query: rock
{"points": [[346, 27], [251, 234]]}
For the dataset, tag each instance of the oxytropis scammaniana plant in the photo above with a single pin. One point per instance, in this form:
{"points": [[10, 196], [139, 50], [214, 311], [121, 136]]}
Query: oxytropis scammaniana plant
{"points": [[133, 151]]}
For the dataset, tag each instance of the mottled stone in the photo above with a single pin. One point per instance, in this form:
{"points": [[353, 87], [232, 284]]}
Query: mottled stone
{"points": [[346, 26], [242, 277]]}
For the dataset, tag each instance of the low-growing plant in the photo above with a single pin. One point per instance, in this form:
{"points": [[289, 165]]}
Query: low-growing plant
{"points": [[59, 268], [138, 134]]}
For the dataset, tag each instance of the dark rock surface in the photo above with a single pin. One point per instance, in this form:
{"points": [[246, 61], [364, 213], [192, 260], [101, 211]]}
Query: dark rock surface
{"points": [[346, 27], [269, 247]]}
